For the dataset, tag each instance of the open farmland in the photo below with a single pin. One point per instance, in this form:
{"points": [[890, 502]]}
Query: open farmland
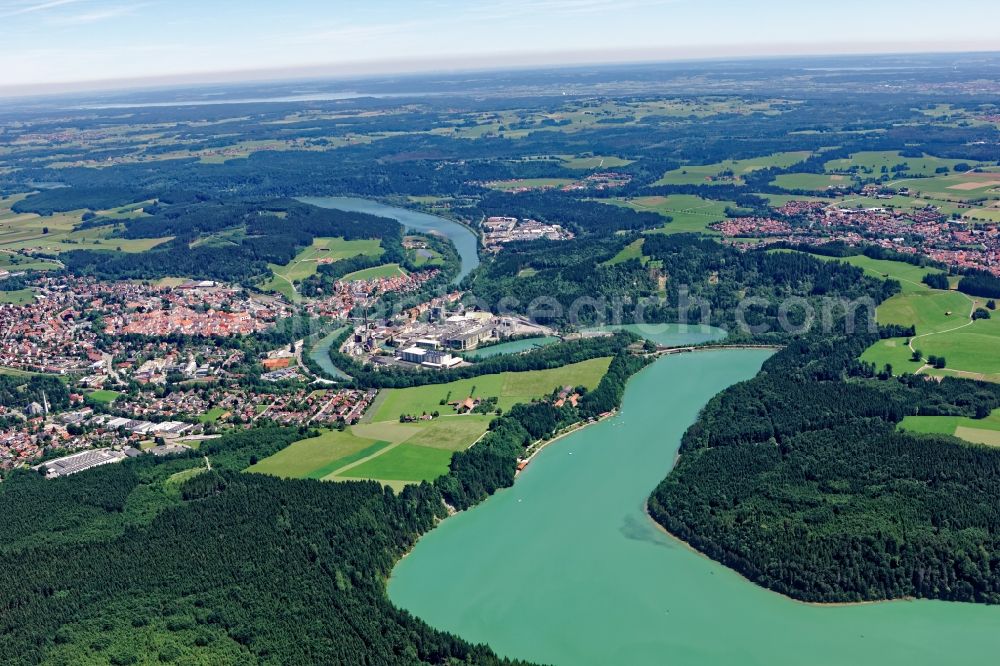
{"points": [[814, 182], [691, 214], [396, 453], [978, 431], [593, 162], [729, 171], [322, 250], [873, 162], [384, 271], [510, 387]]}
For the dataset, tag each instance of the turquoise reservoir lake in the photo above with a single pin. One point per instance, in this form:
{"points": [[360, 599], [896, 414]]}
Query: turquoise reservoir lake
{"points": [[566, 568], [465, 241]]}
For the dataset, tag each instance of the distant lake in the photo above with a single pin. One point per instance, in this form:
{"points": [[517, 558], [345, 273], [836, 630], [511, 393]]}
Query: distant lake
{"points": [[465, 241]]}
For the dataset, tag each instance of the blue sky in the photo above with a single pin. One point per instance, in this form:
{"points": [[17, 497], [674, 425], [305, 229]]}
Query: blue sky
{"points": [[49, 41]]}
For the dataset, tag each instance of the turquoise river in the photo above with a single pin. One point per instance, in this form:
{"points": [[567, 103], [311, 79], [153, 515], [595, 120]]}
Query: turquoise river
{"points": [[566, 568], [465, 241]]}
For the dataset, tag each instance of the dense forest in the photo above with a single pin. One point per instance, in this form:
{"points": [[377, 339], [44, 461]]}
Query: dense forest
{"points": [[799, 480], [242, 239], [164, 558], [706, 282]]}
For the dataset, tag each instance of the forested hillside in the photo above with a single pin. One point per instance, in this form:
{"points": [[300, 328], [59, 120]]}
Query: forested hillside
{"points": [[799, 480], [164, 559]]}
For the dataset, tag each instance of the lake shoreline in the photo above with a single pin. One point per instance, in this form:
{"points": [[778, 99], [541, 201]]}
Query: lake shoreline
{"points": [[817, 604]]}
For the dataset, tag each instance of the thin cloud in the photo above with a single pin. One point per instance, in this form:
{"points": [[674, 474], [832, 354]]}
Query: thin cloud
{"points": [[97, 15], [19, 9]]}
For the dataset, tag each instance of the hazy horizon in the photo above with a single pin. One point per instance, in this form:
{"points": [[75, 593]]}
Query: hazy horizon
{"points": [[365, 71], [86, 45]]}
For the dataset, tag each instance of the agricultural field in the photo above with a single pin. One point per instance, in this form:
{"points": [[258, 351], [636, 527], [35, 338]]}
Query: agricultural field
{"points": [[395, 453], [593, 162], [871, 163], [971, 189], [322, 250], [909, 276], [510, 387], [978, 431], [734, 169], [814, 182], [316, 457], [58, 232], [18, 296], [384, 271], [530, 184], [943, 322], [691, 214]]}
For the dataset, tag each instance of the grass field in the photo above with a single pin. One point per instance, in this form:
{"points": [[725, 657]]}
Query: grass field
{"points": [[963, 187], [529, 183], [943, 323], [510, 387], [908, 275], [212, 415], [307, 262], [395, 453], [385, 271], [691, 214], [104, 397], [978, 431], [594, 162], [814, 182], [18, 296], [312, 458], [58, 232], [703, 174], [631, 251], [872, 162], [405, 462]]}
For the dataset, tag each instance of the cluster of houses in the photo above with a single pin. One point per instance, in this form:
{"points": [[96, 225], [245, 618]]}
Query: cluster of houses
{"points": [[350, 295]]}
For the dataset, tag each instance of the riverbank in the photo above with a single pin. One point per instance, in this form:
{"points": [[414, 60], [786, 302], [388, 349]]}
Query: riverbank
{"points": [[542, 444]]}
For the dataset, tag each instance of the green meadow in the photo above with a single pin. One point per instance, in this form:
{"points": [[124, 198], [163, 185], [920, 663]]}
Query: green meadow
{"points": [[593, 162], [529, 183], [384, 271], [814, 182], [307, 262], [978, 431], [395, 453], [510, 387], [943, 322], [704, 174], [18, 296], [872, 162], [691, 214]]}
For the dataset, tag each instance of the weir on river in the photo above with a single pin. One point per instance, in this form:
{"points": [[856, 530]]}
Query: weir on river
{"points": [[566, 568]]}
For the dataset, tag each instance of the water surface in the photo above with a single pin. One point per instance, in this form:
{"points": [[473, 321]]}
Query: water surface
{"points": [[320, 353], [566, 568], [512, 347], [465, 241]]}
